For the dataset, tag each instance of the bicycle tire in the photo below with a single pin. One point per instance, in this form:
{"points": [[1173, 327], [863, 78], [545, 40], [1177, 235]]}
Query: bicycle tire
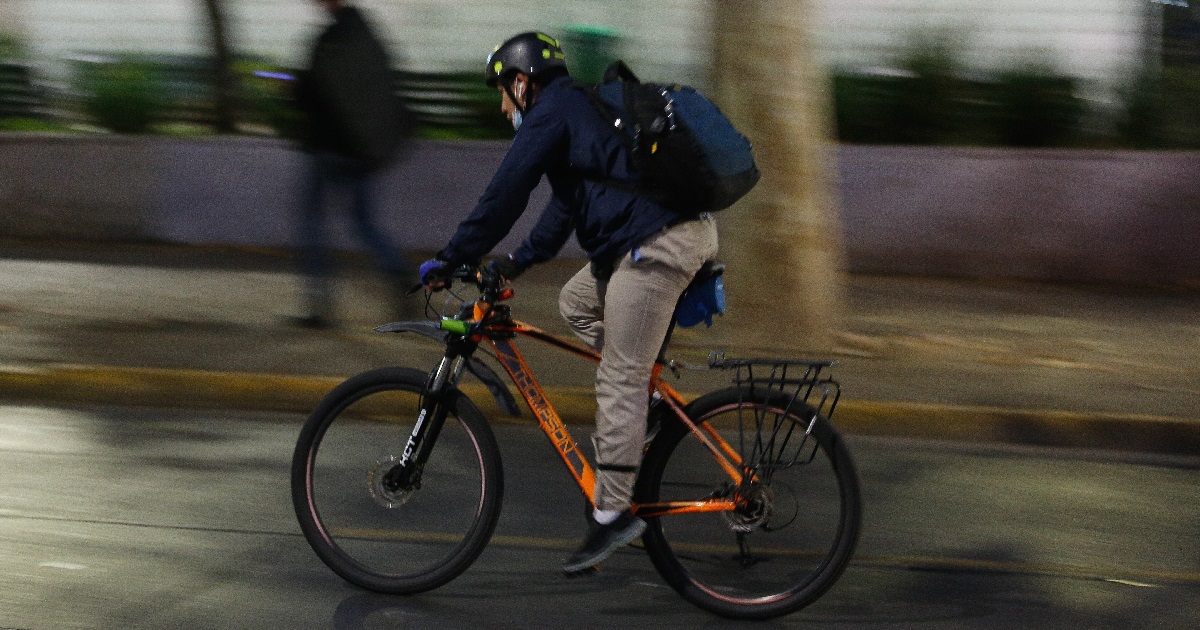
{"points": [[394, 542], [796, 548]]}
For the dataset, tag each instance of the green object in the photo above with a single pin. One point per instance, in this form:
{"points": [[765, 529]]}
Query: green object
{"points": [[456, 326], [930, 97], [126, 96], [11, 47], [590, 49], [1036, 107]]}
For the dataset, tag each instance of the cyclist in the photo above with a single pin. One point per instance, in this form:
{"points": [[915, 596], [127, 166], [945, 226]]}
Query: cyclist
{"points": [[641, 257]]}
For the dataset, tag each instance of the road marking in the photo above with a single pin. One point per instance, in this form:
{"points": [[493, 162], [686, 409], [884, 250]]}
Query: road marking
{"points": [[1144, 578], [69, 566], [1132, 583]]}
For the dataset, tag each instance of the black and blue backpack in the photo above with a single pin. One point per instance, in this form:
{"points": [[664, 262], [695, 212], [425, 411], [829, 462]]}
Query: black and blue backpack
{"points": [[689, 156]]}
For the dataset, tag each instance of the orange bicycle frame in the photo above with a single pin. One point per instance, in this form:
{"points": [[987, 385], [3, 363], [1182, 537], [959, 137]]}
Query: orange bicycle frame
{"points": [[556, 430]]}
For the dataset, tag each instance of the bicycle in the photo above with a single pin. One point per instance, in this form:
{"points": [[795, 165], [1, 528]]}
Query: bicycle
{"points": [[749, 492]]}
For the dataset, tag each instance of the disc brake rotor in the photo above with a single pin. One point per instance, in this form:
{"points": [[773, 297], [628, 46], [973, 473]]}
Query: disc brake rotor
{"points": [[376, 482], [757, 510]]}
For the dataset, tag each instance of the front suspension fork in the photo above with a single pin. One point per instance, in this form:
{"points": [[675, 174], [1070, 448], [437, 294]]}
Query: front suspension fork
{"points": [[406, 474]]}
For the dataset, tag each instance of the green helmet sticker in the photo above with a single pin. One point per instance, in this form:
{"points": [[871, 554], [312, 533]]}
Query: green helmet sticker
{"points": [[498, 66]]}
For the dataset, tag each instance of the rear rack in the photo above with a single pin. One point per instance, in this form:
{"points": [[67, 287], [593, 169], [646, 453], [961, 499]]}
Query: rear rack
{"points": [[792, 396]]}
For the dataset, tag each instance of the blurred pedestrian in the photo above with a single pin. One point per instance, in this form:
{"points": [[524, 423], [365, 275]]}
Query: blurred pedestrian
{"points": [[355, 125]]}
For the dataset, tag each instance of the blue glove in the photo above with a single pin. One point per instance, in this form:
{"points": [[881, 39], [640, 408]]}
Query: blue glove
{"points": [[435, 273]]}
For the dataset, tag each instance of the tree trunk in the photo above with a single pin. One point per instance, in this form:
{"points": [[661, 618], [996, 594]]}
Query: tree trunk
{"points": [[224, 82], [782, 243]]}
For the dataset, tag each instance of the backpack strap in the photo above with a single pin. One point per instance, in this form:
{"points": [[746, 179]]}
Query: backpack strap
{"points": [[618, 71], [609, 114]]}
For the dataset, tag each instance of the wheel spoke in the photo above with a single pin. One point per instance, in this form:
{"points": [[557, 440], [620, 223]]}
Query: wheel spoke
{"points": [[376, 524], [797, 509]]}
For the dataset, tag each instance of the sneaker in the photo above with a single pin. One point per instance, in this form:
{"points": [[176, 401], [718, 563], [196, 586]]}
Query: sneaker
{"points": [[602, 541]]}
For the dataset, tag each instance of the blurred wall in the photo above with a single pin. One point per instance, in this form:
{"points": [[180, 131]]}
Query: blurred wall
{"points": [[12, 18], [1098, 40], [227, 190], [1096, 216], [61, 28], [665, 39], [1099, 216]]}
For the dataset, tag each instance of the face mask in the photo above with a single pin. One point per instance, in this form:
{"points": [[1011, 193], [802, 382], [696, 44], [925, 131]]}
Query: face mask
{"points": [[519, 97]]}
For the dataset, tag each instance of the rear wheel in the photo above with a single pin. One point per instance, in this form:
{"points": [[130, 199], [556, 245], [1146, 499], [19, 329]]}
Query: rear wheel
{"points": [[375, 533], [800, 508]]}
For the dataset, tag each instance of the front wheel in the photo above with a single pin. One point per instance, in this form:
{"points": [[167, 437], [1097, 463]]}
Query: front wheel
{"points": [[799, 513], [374, 532]]}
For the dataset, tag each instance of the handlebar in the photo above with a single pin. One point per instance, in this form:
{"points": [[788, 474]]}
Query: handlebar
{"points": [[482, 277], [492, 288]]}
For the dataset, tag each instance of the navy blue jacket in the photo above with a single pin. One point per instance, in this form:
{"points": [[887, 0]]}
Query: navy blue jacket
{"points": [[566, 139]]}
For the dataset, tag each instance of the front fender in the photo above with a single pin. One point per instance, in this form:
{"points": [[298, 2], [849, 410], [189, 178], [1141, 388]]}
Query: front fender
{"points": [[491, 380], [433, 330]]}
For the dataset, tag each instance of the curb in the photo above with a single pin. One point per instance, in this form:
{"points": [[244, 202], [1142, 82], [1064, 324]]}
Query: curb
{"points": [[250, 391], [1131, 433], [164, 387]]}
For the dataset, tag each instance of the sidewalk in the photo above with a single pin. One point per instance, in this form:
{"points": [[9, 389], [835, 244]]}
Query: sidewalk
{"points": [[1012, 363]]}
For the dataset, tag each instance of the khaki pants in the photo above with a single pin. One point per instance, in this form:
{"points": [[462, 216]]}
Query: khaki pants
{"points": [[626, 318]]}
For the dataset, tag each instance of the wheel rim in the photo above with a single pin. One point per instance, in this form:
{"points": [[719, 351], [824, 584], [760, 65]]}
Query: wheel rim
{"points": [[780, 546], [372, 535]]}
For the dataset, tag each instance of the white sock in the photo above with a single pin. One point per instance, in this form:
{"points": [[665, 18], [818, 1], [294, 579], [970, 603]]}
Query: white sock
{"points": [[604, 517]]}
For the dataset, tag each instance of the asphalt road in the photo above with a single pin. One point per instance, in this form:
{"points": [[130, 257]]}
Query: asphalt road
{"points": [[121, 518]]}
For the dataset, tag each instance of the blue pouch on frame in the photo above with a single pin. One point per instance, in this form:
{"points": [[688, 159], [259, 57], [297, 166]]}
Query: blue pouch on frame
{"points": [[699, 303]]}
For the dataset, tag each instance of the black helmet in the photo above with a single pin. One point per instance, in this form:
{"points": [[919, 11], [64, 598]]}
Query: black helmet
{"points": [[532, 53]]}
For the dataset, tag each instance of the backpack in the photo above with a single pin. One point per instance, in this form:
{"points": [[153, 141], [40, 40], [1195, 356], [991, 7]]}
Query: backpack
{"points": [[690, 158], [350, 92]]}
